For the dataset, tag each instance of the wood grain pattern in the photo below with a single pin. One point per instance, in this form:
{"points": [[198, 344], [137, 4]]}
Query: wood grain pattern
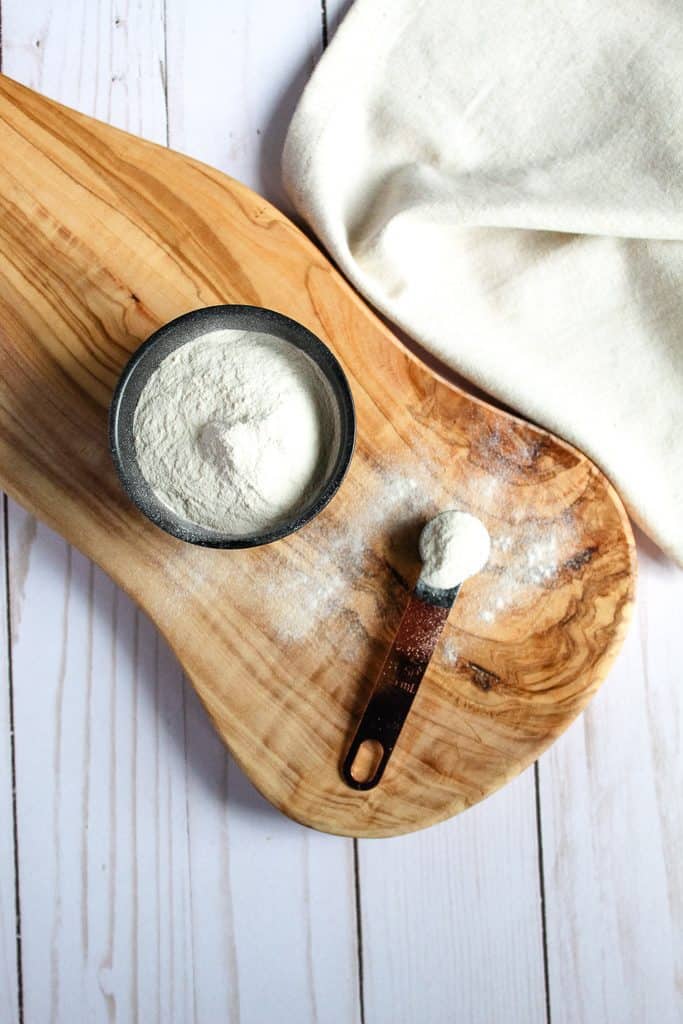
{"points": [[493, 918], [138, 236]]}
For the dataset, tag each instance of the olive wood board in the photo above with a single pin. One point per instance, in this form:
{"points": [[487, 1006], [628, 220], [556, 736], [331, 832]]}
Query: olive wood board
{"points": [[103, 238]]}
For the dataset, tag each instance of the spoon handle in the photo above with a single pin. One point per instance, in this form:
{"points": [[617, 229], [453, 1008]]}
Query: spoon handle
{"points": [[397, 685]]}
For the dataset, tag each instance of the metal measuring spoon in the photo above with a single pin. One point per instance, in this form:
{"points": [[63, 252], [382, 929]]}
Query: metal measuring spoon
{"points": [[416, 638]]}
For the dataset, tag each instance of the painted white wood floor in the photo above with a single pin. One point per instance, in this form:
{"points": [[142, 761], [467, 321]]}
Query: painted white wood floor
{"points": [[141, 877]]}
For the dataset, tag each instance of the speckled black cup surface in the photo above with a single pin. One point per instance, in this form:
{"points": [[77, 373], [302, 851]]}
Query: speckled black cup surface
{"points": [[179, 332]]}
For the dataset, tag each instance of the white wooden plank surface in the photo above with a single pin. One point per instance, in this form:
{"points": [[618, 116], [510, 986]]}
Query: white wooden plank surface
{"points": [[9, 982], [451, 919], [105, 58], [100, 795], [612, 828], [155, 884], [235, 72]]}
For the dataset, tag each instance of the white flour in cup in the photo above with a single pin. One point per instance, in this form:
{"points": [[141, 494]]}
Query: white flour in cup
{"points": [[234, 431]]}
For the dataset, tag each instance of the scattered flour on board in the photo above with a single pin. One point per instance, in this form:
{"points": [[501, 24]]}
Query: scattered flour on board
{"points": [[306, 597], [526, 553]]}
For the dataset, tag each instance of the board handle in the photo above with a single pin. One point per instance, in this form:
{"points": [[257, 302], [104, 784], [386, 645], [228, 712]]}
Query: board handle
{"points": [[397, 686]]}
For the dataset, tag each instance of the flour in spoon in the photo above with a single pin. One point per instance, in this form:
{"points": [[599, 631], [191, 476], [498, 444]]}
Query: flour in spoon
{"points": [[234, 430], [453, 546]]}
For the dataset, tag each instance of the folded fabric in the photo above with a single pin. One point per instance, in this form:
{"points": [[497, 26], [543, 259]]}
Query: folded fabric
{"points": [[503, 179]]}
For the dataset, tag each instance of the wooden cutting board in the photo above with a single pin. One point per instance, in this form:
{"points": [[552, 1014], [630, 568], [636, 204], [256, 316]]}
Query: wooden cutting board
{"points": [[103, 237]]}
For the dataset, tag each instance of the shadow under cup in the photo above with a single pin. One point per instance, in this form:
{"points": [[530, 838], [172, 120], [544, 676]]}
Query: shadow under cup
{"points": [[188, 328]]}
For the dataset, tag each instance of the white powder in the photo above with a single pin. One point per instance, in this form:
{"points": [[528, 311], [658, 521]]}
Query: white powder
{"points": [[340, 554], [235, 431], [453, 546], [303, 598], [527, 556]]}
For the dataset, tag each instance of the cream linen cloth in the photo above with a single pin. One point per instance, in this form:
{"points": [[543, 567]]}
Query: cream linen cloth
{"points": [[503, 179]]}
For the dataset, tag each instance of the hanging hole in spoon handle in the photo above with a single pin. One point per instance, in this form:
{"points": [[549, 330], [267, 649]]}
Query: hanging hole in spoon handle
{"points": [[397, 685]]}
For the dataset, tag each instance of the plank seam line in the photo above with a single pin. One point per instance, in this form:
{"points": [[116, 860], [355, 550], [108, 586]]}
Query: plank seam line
{"points": [[188, 842], [13, 766], [13, 760], [359, 933], [184, 683], [164, 76], [541, 889], [323, 17], [356, 868]]}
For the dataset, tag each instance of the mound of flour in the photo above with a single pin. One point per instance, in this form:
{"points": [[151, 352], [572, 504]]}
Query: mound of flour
{"points": [[453, 546], [234, 430]]}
